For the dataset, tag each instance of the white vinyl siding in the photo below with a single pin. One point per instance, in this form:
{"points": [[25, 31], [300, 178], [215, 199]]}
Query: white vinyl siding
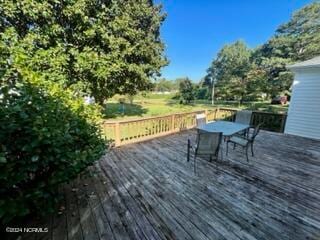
{"points": [[304, 110]]}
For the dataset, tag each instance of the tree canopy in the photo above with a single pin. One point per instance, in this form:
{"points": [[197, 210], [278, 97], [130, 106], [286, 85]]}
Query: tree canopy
{"points": [[244, 73], [230, 70], [164, 85], [297, 39], [51, 54], [92, 46], [186, 90]]}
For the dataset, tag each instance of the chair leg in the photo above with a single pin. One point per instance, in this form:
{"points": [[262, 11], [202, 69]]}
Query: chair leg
{"points": [[194, 164], [247, 152], [217, 159], [252, 150], [188, 151], [227, 148]]}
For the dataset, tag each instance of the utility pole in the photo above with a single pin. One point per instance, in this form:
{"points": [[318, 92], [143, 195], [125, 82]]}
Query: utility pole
{"points": [[212, 93]]}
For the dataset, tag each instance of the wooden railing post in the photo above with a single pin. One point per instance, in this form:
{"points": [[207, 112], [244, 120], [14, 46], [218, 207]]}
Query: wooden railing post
{"points": [[217, 114], [206, 114], [172, 122], [117, 134]]}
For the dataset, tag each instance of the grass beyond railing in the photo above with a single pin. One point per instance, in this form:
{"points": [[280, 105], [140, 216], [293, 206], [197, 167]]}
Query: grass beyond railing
{"points": [[130, 131]]}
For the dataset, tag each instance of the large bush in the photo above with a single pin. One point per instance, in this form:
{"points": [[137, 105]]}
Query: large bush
{"points": [[47, 136]]}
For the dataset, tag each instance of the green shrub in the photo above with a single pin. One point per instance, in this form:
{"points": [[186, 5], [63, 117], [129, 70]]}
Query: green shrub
{"points": [[186, 90], [47, 136]]}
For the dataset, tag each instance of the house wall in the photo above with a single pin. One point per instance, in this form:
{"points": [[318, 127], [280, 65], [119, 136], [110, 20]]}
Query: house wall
{"points": [[304, 110]]}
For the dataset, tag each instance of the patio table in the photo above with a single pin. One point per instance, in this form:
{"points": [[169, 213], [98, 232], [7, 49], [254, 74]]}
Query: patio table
{"points": [[227, 128]]}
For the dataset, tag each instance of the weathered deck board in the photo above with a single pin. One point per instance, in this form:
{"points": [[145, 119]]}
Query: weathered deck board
{"points": [[72, 213], [148, 190], [195, 194], [87, 219], [60, 224]]}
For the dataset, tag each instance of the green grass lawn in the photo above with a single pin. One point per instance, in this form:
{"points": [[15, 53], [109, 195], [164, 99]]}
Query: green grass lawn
{"points": [[155, 105], [148, 108]]}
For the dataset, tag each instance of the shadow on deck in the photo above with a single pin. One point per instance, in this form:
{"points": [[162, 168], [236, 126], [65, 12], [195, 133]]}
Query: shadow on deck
{"points": [[148, 191]]}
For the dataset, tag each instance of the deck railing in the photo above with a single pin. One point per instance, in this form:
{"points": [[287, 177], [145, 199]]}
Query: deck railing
{"points": [[136, 130], [274, 122]]}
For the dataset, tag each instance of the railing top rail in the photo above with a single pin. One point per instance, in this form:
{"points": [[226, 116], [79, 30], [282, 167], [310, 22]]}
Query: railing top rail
{"points": [[270, 113], [254, 111], [185, 113], [150, 118], [229, 109]]}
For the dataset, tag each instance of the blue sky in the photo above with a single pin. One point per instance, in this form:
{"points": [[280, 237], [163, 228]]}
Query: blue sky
{"points": [[195, 30]]}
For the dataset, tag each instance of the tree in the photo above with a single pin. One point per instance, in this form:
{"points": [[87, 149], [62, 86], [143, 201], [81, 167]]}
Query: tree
{"points": [[230, 70], [92, 46], [186, 90], [202, 92], [296, 40], [164, 85], [278, 79], [243, 73], [209, 82], [257, 86], [301, 35]]}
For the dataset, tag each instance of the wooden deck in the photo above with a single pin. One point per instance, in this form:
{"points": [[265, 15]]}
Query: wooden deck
{"points": [[148, 191]]}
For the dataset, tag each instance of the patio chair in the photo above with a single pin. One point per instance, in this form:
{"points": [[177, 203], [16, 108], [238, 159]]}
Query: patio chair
{"points": [[201, 119], [244, 141], [244, 117], [207, 143]]}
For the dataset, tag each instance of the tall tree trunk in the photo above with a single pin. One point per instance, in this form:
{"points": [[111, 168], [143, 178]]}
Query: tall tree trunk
{"points": [[241, 98]]}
